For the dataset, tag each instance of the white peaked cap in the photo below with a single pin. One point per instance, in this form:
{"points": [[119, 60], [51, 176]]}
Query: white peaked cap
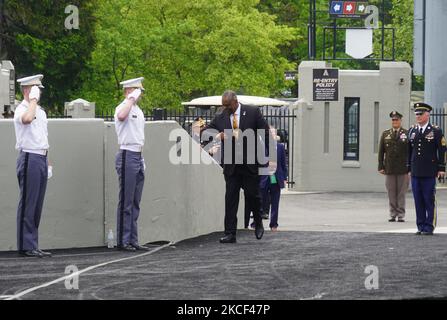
{"points": [[32, 81], [133, 83]]}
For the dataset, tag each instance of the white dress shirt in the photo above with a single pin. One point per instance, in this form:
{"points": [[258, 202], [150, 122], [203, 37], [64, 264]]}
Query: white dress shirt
{"points": [[33, 137], [130, 132], [423, 127]]}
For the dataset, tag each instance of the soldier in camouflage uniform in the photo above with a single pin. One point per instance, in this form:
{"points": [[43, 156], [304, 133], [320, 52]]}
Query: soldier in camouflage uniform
{"points": [[393, 155]]}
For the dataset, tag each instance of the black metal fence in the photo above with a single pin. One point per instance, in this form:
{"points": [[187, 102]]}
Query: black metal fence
{"points": [[438, 117]]}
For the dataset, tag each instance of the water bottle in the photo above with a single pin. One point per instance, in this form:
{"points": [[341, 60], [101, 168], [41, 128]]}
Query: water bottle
{"points": [[110, 242]]}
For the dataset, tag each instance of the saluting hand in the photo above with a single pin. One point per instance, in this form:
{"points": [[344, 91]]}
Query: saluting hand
{"points": [[135, 94], [34, 93]]}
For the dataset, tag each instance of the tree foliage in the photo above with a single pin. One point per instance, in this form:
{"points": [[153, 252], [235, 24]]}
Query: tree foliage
{"points": [[33, 36], [185, 49]]}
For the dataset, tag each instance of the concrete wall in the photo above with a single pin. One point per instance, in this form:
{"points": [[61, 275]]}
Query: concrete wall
{"points": [[435, 48], [73, 213], [179, 201], [315, 170]]}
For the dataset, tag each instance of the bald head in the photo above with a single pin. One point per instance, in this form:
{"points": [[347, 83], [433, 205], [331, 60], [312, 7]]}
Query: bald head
{"points": [[229, 101]]}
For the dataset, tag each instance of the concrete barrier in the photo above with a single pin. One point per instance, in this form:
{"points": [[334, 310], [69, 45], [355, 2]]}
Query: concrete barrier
{"points": [[179, 201], [73, 214]]}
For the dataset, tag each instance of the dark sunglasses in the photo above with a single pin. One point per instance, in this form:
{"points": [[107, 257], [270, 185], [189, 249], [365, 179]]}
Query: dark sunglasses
{"points": [[395, 119], [418, 113]]}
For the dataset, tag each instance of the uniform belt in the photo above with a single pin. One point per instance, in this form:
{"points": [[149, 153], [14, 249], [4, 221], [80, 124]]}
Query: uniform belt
{"points": [[42, 152], [132, 148]]}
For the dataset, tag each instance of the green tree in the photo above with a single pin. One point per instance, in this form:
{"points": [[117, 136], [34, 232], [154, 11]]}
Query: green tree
{"points": [[33, 36], [185, 49]]}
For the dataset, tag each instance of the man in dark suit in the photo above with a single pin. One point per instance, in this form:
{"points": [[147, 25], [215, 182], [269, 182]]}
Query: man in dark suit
{"points": [[271, 185], [426, 162], [239, 127]]}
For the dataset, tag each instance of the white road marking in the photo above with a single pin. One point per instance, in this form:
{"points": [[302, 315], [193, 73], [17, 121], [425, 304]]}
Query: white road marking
{"points": [[75, 274], [316, 297]]}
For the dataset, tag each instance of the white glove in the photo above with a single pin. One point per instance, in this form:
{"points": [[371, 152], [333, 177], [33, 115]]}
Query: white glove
{"points": [[50, 172], [35, 93], [135, 95]]}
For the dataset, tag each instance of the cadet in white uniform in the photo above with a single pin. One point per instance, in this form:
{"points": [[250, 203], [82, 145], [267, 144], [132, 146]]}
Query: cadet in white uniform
{"points": [[30, 123], [129, 125]]}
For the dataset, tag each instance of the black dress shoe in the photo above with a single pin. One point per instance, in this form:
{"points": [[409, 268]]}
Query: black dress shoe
{"points": [[141, 248], [229, 238], [392, 220], [127, 247], [427, 233], [259, 231], [45, 253], [31, 253], [401, 220], [418, 233]]}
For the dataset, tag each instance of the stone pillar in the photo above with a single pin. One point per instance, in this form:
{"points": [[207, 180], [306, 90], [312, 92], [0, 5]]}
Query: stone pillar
{"points": [[80, 109], [435, 53], [319, 160], [7, 89]]}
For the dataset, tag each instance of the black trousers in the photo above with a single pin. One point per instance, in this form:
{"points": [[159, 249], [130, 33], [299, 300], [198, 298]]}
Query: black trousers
{"points": [[245, 179], [249, 210]]}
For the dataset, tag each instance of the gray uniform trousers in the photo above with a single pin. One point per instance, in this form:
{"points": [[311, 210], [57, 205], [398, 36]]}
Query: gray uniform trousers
{"points": [[397, 186], [130, 169], [32, 173]]}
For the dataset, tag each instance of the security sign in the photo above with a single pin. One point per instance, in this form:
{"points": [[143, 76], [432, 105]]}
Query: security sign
{"points": [[348, 9], [325, 84]]}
